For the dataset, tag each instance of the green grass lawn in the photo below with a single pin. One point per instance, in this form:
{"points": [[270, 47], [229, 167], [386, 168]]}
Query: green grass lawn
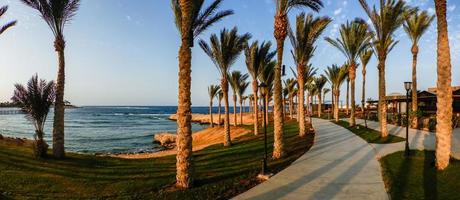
{"points": [[370, 135], [220, 172], [417, 178]]}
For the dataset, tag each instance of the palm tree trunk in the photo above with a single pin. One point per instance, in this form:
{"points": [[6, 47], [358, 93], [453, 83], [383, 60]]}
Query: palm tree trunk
{"points": [[382, 94], [241, 111], [278, 123], [219, 113], [255, 107], [184, 162], [333, 102], [444, 90], [336, 108], [59, 107], [363, 97], [301, 96], [234, 111], [227, 139], [352, 74], [319, 105], [348, 97], [414, 86], [211, 121], [291, 108]]}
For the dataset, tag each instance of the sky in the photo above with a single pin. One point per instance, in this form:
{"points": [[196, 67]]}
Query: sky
{"points": [[124, 52]]}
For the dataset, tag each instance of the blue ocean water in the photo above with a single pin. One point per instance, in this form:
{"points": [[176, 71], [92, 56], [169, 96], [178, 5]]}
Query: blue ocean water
{"points": [[105, 129]]}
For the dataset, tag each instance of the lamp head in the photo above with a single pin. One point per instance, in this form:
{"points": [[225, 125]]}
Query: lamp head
{"points": [[408, 86]]}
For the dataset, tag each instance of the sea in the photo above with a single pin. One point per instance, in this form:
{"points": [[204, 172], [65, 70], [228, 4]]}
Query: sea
{"points": [[103, 129]]}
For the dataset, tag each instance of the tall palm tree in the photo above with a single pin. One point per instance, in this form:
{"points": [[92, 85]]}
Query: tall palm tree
{"points": [[444, 90], [308, 30], [57, 13], [290, 85], [280, 33], [365, 57], [267, 76], [36, 100], [191, 19], [312, 92], [320, 82], [220, 96], [336, 76], [235, 79], [223, 51], [242, 87], [415, 26], [255, 56], [385, 21], [325, 91], [213, 90], [353, 41], [7, 25]]}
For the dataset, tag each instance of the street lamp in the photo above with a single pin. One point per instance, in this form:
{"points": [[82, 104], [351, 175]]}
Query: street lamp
{"points": [[408, 87], [263, 91]]}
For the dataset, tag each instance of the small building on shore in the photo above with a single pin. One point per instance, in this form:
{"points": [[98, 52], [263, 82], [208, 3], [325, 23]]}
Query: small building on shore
{"points": [[396, 102]]}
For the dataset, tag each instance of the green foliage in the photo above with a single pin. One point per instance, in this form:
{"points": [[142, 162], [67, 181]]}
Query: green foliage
{"points": [[417, 178], [221, 172], [7, 25], [198, 19], [283, 6], [370, 135]]}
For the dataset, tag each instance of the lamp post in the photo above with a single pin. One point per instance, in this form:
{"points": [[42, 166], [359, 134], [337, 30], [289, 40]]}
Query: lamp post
{"points": [[407, 86], [263, 92]]}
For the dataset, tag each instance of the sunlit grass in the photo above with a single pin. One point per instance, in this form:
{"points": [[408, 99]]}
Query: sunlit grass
{"points": [[221, 172]]}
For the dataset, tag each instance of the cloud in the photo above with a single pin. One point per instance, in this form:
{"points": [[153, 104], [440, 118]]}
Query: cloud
{"points": [[451, 8], [338, 11]]}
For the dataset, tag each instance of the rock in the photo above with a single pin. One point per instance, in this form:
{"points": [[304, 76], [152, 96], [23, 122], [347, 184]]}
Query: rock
{"points": [[165, 139], [1, 137]]}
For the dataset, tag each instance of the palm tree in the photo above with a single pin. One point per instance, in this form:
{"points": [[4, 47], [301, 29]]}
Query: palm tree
{"points": [[191, 20], [320, 82], [36, 100], [308, 30], [57, 13], [223, 51], [385, 21], [290, 85], [336, 76], [255, 56], [7, 25], [267, 76], [242, 87], [365, 58], [280, 32], [444, 90], [235, 79], [353, 41], [220, 97], [312, 92], [212, 91], [325, 91], [415, 26]]}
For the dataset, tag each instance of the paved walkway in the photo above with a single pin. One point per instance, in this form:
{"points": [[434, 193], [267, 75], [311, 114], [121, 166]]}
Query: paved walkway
{"points": [[418, 139], [340, 165]]}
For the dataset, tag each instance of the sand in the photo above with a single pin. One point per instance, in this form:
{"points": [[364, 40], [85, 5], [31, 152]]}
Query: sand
{"points": [[201, 140], [205, 118]]}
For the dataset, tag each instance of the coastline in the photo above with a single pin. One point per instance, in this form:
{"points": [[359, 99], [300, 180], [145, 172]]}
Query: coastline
{"points": [[201, 139]]}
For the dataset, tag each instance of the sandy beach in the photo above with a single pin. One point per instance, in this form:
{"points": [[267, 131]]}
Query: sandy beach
{"points": [[205, 118], [201, 140]]}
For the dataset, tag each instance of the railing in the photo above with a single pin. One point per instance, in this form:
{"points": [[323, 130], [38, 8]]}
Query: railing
{"points": [[10, 112]]}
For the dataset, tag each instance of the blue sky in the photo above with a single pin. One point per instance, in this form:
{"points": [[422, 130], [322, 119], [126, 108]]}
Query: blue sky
{"points": [[124, 52]]}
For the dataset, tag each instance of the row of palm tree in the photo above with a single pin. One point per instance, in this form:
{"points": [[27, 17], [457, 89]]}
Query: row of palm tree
{"points": [[192, 19]]}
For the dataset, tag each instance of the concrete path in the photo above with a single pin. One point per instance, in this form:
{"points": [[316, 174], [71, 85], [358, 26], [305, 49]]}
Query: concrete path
{"points": [[418, 139], [340, 165]]}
